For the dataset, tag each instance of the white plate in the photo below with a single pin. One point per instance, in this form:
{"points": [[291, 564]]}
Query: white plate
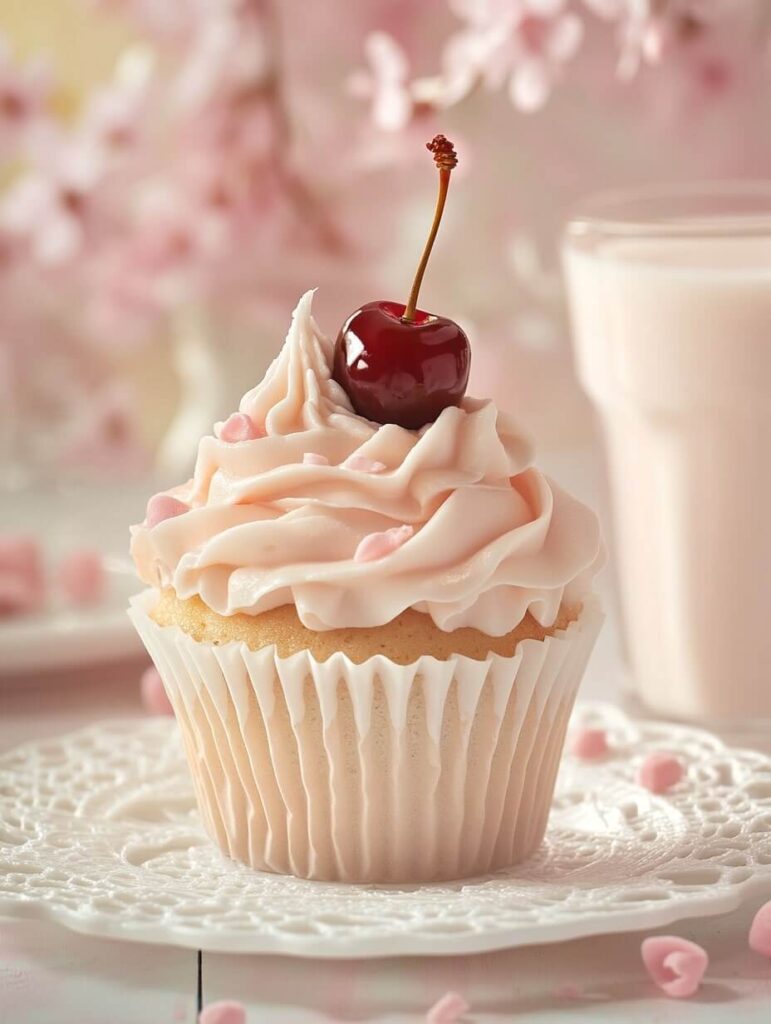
{"points": [[61, 519], [98, 831], [61, 638]]}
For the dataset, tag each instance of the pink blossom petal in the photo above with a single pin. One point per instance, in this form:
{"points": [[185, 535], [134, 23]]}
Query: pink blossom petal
{"points": [[660, 771], [227, 1011], [760, 931], [361, 464], [565, 38], [313, 459], [676, 965], [386, 57], [154, 698], [391, 107], [589, 744], [378, 545], [239, 427], [450, 1008], [161, 507], [530, 85], [81, 576]]}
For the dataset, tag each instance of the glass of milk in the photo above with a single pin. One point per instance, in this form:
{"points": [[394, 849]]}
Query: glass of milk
{"points": [[670, 299]]}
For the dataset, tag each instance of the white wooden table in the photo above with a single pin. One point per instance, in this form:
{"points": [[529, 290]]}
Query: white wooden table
{"points": [[49, 976]]}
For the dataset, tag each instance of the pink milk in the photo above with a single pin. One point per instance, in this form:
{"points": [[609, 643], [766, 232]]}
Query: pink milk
{"points": [[670, 296]]}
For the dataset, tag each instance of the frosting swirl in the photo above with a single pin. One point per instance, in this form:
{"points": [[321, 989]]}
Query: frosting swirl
{"points": [[490, 537]]}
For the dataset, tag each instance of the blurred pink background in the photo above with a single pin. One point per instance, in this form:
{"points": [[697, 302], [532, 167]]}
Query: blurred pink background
{"points": [[176, 174]]}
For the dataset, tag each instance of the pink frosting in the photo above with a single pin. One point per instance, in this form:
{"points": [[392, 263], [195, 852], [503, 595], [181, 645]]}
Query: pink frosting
{"points": [[493, 538]]}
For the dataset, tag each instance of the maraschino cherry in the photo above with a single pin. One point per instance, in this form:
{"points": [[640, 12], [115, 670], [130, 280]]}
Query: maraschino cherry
{"points": [[399, 364]]}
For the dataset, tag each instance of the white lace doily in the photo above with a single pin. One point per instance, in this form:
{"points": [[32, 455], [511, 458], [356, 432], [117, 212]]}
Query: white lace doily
{"points": [[98, 831]]}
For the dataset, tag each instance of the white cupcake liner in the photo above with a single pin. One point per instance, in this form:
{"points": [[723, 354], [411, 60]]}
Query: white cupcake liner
{"points": [[375, 772]]}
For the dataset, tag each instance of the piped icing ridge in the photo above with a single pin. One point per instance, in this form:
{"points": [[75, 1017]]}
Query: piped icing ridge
{"points": [[491, 537]]}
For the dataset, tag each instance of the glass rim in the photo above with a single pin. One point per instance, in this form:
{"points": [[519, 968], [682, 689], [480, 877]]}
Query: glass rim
{"points": [[674, 210]]}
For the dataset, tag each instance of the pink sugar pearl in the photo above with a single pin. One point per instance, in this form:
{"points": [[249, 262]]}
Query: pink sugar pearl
{"points": [[81, 576], [589, 744], [378, 545], [227, 1011], [154, 698], [312, 459], [760, 931], [361, 464], [161, 507], [660, 771], [449, 1009], [676, 965], [239, 427]]}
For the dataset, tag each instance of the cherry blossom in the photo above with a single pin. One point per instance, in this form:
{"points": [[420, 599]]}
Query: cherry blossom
{"points": [[24, 96], [385, 83], [48, 210], [519, 45]]}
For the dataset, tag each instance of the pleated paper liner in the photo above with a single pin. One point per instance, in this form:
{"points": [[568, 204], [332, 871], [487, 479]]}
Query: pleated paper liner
{"points": [[372, 772]]}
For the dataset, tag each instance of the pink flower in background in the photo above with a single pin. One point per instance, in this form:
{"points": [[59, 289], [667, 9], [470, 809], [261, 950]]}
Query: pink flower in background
{"points": [[48, 209], [520, 45], [114, 115], [24, 96], [229, 57], [104, 436], [386, 83], [221, 169], [168, 19]]}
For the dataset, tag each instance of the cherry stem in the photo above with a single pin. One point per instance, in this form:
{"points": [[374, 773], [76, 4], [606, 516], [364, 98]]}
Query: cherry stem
{"points": [[445, 159]]}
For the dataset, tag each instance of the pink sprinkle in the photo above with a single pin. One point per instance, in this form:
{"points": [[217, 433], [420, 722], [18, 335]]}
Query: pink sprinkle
{"points": [[377, 545], [675, 965], [239, 427], [225, 1012], [161, 507], [660, 771], [450, 1008], [312, 459], [760, 932], [153, 692], [589, 744], [22, 580], [81, 576], [361, 464]]}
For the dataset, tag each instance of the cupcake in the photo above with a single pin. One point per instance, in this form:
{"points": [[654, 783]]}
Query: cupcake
{"points": [[372, 636]]}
